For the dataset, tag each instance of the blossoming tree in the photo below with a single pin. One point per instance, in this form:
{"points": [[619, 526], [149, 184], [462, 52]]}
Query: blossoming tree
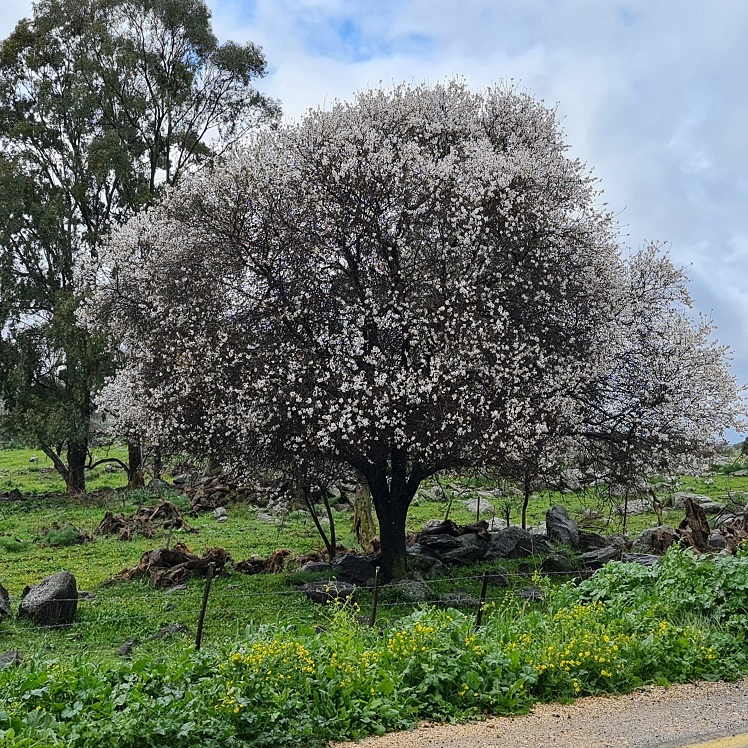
{"points": [[417, 281]]}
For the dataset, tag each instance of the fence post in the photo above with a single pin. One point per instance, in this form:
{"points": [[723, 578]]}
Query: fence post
{"points": [[201, 619], [375, 598], [479, 617]]}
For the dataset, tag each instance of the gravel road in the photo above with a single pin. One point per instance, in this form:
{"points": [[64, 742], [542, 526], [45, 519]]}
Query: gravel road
{"points": [[651, 717]]}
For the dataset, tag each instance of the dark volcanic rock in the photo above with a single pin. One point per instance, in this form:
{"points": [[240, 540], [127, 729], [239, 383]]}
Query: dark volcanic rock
{"points": [[326, 592], [471, 548], [598, 558], [352, 568], [4, 603], [53, 602], [440, 543], [560, 528], [11, 658], [558, 563], [514, 542]]}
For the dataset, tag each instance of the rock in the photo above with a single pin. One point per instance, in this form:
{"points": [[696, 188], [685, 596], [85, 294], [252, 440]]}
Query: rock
{"points": [[221, 513], [513, 542], [457, 600], [495, 524], [558, 563], [412, 591], [498, 579], [571, 479], [438, 543], [635, 507], [165, 632], [326, 592], [643, 559], [740, 474], [354, 569], [14, 495], [176, 588], [4, 603], [590, 541], [125, 649], [560, 528], [712, 507], [717, 540], [430, 525], [156, 487], [655, 539], [680, 496], [316, 567], [530, 593], [596, 559], [183, 479], [264, 517], [471, 548], [487, 509], [53, 602], [11, 658], [621, 542], [540, 530], [440, 527]]}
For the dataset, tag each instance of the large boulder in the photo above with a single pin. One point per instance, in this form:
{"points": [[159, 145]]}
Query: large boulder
{"points": [[485, 507], [53, 602], [513, 542], [471, 548], [4, 603], [560, 528], [330, 591], [352, 568], [441, 543]]}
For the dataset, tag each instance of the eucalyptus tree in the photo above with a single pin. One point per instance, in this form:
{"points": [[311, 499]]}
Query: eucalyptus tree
{"points": [[103, 104]]}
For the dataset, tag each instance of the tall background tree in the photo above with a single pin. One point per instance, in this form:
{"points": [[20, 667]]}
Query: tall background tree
{"points": [[418, 281], [103, 104]]}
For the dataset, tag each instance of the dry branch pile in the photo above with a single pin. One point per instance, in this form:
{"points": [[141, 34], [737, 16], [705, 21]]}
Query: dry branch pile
{"points": [[166, 567], [145, 521]]}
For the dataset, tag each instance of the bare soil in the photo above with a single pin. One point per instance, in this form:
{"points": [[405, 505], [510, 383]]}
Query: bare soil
{"points": [[650, 717]]}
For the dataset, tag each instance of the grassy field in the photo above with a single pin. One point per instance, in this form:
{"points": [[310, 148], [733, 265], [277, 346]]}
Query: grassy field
{"points": [[134, 610], [277, 670]]}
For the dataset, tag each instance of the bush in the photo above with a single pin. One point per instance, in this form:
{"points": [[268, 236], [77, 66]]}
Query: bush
{"points": [[292, 686]]}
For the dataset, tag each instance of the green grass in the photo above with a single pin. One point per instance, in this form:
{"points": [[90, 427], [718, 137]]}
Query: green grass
{"points": [[135, 610], [303, 685], [32, 472]]}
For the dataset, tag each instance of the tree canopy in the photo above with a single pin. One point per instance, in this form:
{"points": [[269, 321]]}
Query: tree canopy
{"points": [[417, 281], [103, 103]]}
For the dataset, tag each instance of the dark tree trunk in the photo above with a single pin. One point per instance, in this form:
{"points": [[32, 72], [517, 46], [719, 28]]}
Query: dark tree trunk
{"points": [[76, 469], [526, 492], [392, 515], [158, 463], [134, 466]]}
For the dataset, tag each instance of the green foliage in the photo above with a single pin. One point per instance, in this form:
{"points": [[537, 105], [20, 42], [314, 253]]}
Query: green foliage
{"points": [[102, 104], [63, 536], [297, 685]]}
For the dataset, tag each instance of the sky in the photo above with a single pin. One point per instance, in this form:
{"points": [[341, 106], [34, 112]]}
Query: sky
{"points": [[652, 94]]}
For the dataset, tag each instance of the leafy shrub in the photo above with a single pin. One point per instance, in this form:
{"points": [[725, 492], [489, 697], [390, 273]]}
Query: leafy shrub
{"points": [[294, 686], [64, 536]]}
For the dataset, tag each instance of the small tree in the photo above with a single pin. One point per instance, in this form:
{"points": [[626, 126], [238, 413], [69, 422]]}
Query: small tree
{"points": [[406, 284], [666, 390]]}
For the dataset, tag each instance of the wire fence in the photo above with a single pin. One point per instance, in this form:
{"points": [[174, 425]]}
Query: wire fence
{"points": [[150, 615]]}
